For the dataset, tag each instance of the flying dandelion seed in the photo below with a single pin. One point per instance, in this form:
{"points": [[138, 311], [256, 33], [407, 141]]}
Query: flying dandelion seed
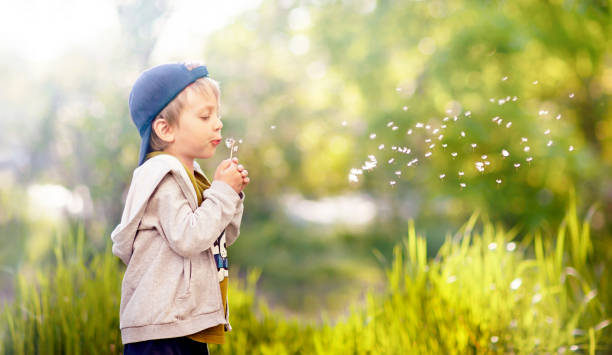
{"points": [[510, 246], [432, 145], [492, 246], [528, 159], [418, 125], [462, 184], [494, 339], [504, 78], [427, 127], [344, 123], [445, 119], [273, 127], [516, 283], [549, 143], [440, 137], [454, 154], [535, 82], [443, 126], [501, 102], [442, 176], [574, 348], [353, 178], [514, 98], [536, 298], [428, 154], [516, 165], [391, 160], [409, 131], [523, 140], [571, 96], [444, 145], [473, 145], [571, 148], [427, 140], [405, 108], [505, 153], [508, 124], [484, 157], [390, 124], [451, 279], [381, 147], [468, 113], [461, 173], [492, 99], [373, 135], [527, 148], [398, 173], [558, 117], [393, 148], [392, 182], [462, 134], [499, 181], [455, 118], [435, 131], [547, 131], [487, 163], [394, 128]]}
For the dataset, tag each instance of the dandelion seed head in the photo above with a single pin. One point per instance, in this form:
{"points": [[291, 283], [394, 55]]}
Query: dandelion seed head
{"points": [[514, 98], [451, 279], [391, 160], [440, 137], [528, 159], [523, 140], [574, 348], [428, 154], [442, 176], [444, 145], [484, 157], [390, 123], [505, 153], [499, 181], [427, 127], [462, 134], [409, 131], [462, 184], [392, 182], [492, 246], [510, 246], [381, 147], [487, 162], [468, 113], [474, 145], [372, 135], [508, 124], [418, 125], [516, 165], [494, 339], [427, 140], [229, 142], [394, 128], [461, 173], [504, 78], [398, 173], [443, 126], [571, 95], [549, 143], [353, 178], [273, 127], [454, 154], [393, 148], [558, 117], [432, 145], [571, 148], [535, 82], [527, 148]]}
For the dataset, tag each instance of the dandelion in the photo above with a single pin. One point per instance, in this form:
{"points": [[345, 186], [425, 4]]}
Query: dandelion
{"points": [[505, 153], [353, 178], [462, 184], [484, 157], [558, 117], [510, 246], [443, 126], [392, 182], [393, 148], [391, 160], [418, 125], [381, 147], [547, 131], [445, 119], [454, 154], [574, 348], [230, 142], [514, 98], [432, 145], [427, 140], [273, 127], [528, 159], [499, 181], [390, 124], [440, 137], [451, 279], [492, 246], [523, 140], [435, 131], [442, 176], [398, 173], [527, 148], [571, 148], [494, 339], [549, 143], [473, 145], [428, 154], [571, 95], [409, 131], [516, 283], [455, 118], [504, 78], [535, 82], [444, 145], [461, 173], [487, 162], [372, 135], [405, 108], [462, 134], [501, 102], [468, 113], [394, 128], [508, 124], [427, 127], [516, 165]]}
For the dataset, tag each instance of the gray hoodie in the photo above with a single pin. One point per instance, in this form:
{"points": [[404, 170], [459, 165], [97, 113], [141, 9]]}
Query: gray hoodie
{"points": [[170, 287]]}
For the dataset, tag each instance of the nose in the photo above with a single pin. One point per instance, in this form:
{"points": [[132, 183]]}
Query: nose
{"points": [[218, 124]]}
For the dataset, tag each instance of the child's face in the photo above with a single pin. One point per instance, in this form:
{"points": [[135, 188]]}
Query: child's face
{"points": [[198, 132]]}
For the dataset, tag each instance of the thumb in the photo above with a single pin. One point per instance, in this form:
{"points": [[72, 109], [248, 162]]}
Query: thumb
{"points": [[225, 164]]}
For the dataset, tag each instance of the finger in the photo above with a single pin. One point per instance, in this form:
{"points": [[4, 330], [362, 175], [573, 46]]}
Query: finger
{"points": [[245, 172], [235, 160], [246, 180]]}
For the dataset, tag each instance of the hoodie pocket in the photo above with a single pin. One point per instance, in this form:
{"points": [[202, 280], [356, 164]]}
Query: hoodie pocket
{"points": [[186, 278]]}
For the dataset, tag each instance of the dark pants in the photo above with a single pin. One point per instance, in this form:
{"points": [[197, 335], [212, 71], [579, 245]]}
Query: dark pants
{"points": [[170, 346]]}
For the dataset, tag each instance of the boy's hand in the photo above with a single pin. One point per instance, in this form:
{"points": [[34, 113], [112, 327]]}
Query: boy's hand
{"points": [[228, 172], [244, 172]]}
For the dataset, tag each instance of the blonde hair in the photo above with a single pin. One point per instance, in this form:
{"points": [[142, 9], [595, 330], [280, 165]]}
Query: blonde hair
{"points": [[203, 86]]}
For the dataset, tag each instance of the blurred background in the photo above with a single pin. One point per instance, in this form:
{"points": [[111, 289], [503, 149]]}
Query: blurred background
{"points": [[505, 105]]}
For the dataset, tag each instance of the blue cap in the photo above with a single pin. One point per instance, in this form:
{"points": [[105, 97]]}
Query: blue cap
{"points": [[152, 91]]}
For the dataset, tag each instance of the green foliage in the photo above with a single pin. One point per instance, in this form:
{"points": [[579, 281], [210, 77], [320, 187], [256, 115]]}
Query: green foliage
{"points": [[483, 293]]}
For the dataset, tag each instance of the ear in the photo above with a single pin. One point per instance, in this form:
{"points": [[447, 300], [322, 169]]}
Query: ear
{"points": [[164, 130]]}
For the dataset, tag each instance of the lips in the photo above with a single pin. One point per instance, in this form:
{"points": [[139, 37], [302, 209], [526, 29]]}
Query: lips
{"points": [[216, 141]]}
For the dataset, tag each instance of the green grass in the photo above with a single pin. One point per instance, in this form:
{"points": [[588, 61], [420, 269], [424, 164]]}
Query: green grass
{"points": [[483, 293]]}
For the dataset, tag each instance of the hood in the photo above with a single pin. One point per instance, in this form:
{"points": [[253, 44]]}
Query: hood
{"points": [[144, 182]]}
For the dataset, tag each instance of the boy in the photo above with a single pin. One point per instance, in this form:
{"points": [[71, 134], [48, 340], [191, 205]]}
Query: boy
{"points": [[176, 224]]}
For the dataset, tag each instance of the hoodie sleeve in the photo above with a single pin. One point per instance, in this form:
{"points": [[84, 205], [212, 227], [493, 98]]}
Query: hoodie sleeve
{"points": [[233, 229], [190, 232]]}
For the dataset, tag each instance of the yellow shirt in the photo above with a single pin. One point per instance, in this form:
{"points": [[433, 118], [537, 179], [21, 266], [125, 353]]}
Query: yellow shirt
{"points": [[216, 334]]}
